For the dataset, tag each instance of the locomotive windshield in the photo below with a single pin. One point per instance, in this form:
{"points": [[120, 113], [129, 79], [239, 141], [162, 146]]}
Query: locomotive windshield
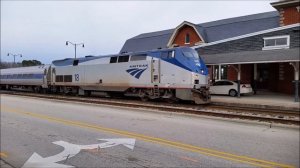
{"points": [[190, 53]]}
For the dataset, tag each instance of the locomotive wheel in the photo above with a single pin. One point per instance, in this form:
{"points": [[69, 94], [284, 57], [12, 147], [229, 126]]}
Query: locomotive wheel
{"points": [[171, 100], [145, 98]]}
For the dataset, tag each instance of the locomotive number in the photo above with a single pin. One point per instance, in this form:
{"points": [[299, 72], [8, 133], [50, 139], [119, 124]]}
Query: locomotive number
{"points": [[76, 77]]}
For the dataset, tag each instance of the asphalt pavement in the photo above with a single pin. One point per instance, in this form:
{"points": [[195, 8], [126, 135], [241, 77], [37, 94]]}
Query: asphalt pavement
{"points": [[50, 133]]}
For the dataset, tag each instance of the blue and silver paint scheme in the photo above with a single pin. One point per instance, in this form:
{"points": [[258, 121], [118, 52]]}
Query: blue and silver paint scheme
{"points": [[25, 76], [179, 69]]}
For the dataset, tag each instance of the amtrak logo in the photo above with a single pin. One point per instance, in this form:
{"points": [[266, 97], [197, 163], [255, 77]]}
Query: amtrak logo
{"points": [[136, 71]]}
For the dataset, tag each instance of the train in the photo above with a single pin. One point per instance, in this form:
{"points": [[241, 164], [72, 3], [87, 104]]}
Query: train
{"points": [[170, 74]]}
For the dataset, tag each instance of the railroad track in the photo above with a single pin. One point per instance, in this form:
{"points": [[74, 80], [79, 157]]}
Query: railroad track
{"points": [[257, 114]]}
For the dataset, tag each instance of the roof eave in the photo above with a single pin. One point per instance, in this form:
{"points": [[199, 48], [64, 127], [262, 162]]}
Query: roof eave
{"points": [[285, 3], [248, 35]]}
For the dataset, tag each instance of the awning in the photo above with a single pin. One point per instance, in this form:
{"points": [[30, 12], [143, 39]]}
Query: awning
{"points": [[250, 57]]}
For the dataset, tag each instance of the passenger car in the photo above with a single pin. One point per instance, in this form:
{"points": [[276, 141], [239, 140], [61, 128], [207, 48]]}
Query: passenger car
{"points": [[227, 87]]}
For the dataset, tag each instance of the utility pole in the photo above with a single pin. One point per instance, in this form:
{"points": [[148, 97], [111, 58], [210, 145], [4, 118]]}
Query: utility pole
{"points": [[75, 45], [14, 55]]}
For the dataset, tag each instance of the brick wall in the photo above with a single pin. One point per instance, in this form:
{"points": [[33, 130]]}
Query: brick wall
{"points": [[289, 15], [285, 84], [246, 73], [180, 37], [280, 76]]}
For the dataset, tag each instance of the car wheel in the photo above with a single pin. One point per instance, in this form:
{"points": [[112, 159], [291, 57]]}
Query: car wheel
{"points": [[232, 92]]}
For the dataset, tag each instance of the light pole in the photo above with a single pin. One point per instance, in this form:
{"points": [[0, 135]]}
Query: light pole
{"points": [[14, 55], [74, 44]]}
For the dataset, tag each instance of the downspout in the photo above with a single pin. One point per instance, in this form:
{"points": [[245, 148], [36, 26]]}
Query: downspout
{"points": [[296, 79]]}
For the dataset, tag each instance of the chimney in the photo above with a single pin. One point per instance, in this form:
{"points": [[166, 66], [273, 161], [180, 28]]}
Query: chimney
{"points": [[288, 11]]}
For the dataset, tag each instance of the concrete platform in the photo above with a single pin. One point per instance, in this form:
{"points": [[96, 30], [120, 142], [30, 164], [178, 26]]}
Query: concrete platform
{"points": [[269, 100], [3, 164]]}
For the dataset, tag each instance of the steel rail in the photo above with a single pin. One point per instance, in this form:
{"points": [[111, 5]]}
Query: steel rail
{"points": [[255, 109], [247, 114]]}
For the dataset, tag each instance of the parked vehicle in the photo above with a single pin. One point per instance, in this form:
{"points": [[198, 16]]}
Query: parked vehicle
{"points": [[227, 87]]}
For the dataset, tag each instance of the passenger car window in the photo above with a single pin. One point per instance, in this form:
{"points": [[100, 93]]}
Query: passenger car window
{"points": [[217, 84], [227, 83]]}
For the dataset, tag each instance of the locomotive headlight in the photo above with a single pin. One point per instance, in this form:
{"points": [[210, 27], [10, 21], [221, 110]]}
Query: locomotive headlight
{"points": [[202, 71]]}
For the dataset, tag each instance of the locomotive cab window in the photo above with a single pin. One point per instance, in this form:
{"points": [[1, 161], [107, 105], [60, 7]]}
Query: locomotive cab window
{"points": [[168, 54], [113, 59], [123, 58], [75, 62], [138, 57]]}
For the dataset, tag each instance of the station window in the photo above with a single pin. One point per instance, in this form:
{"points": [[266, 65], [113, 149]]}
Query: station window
{"points": [[138, 57], [113, 59], [187, 38], [276, 42], [123, 58]]}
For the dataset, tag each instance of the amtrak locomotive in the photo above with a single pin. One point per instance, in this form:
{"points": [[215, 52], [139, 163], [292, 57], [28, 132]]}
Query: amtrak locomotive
{"points": [[170, 74]]}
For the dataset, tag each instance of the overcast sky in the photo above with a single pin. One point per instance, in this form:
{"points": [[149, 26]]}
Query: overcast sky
{"points": [[38, 30]]}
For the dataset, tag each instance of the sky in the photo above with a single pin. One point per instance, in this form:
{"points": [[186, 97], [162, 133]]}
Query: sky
{"points": [[39, 29]]}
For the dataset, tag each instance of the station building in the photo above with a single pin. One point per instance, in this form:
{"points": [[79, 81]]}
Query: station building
{"points": [[260, 49]]}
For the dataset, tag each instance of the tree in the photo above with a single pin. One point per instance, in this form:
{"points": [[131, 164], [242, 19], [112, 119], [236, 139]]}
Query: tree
{"points": [[30, 63]]}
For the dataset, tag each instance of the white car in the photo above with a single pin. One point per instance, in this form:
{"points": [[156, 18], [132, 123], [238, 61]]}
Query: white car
{"points": [[227, 87]]}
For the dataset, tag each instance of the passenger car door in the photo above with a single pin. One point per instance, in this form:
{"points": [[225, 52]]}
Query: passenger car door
{"points": [[226, 86]]}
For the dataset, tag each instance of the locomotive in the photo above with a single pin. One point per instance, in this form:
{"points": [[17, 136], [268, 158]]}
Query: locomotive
{"points": [[170, 74]]}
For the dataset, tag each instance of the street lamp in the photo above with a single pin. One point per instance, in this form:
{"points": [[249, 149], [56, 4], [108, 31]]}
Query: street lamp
{"points": [[74, 44], [14, 55]]}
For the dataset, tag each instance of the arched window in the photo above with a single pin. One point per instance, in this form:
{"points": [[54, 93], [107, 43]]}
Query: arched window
{"points": [[187, 38]]}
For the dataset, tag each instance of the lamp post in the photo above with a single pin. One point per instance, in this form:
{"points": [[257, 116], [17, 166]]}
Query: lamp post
{"points": [[75, 45], [14, 55]]}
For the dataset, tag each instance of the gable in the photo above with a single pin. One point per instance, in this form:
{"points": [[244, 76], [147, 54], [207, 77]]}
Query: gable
{"points": [[183, 32]]}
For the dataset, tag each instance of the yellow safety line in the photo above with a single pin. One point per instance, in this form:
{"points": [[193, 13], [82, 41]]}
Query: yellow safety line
{"points": [[187, 147], [3, 154]]}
